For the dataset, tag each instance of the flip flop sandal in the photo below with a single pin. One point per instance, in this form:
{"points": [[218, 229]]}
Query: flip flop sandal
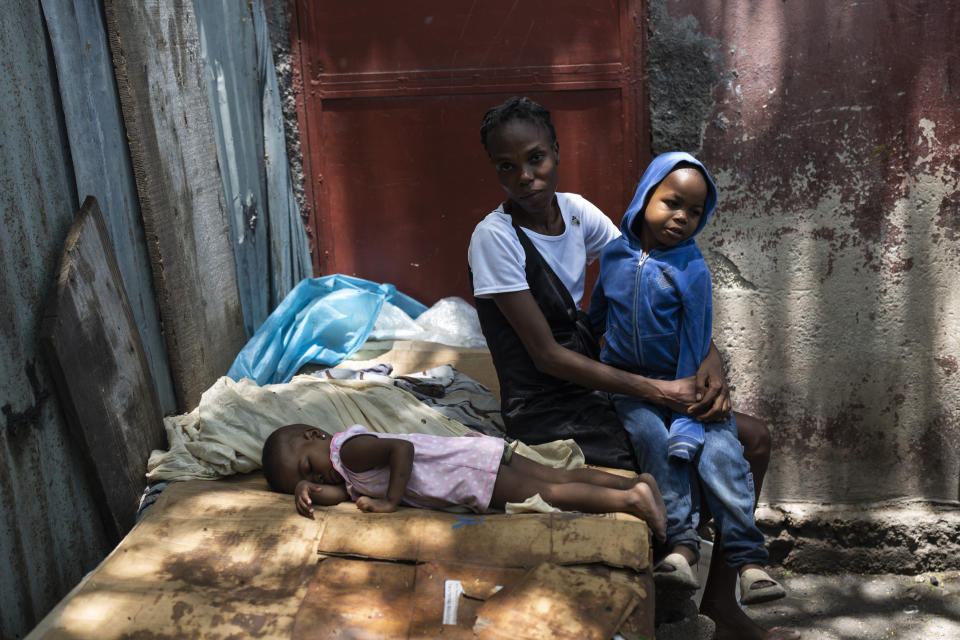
{"points": [[748, 595], [679, 577]]}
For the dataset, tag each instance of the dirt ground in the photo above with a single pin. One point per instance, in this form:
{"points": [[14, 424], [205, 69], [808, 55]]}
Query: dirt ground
{"points": [[847, 606]]}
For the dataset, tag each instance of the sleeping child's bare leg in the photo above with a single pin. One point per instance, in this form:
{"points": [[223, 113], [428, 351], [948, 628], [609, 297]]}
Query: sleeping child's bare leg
{"points": [[642, 500], [589, 476]]}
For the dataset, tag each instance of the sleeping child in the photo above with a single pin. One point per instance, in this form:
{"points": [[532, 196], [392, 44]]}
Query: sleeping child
{"points": [[382, 471]]}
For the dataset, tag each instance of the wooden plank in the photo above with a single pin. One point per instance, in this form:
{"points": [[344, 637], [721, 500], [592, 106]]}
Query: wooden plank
{"points": [[156, 55], [103, 380], [100, 158]]}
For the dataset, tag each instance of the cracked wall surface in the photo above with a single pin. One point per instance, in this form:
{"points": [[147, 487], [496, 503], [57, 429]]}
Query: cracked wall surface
{"points": [[831, 130]]}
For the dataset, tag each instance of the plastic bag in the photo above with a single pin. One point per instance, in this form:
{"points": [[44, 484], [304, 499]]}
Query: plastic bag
{"points": [[451, 321], [322, 320]]}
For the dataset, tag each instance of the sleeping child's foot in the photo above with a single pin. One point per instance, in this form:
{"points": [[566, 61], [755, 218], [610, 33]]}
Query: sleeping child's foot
{"points": [[648, 479], [645, 502]]}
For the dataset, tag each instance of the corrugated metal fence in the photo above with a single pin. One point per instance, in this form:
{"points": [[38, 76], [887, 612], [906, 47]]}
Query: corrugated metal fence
{"points": [[62, 138]]}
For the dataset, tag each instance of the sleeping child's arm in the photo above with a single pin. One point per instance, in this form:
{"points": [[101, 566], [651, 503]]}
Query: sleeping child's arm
{"points": [[363, 453], [307, 493]]}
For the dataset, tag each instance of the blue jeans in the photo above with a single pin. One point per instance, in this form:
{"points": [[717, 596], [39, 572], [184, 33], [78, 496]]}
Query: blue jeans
{"points": [[724, 476]]}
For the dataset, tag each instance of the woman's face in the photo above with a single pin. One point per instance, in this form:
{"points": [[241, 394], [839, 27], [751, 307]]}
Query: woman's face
{"points": [[526, 161]]}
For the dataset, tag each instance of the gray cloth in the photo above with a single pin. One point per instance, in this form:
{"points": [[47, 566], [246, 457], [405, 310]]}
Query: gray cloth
{"points": [[443, 388]]}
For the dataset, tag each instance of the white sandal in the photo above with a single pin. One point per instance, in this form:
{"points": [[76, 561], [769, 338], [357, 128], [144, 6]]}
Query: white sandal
{"points": [[748, 595], [679, 577]]}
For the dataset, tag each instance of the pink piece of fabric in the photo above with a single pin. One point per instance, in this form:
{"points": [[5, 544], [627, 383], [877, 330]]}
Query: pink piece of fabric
{"points": [[447, 471]]}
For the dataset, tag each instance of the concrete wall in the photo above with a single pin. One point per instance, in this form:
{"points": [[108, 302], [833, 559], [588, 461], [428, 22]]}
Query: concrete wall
{"points": [[832, 131]]}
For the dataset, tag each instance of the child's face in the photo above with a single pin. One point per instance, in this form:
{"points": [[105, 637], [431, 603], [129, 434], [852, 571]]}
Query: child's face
{"points": [[306, 456], [526, 162], [674, 210]]}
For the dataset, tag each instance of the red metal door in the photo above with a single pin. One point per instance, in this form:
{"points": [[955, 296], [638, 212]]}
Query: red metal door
{"points": [[393, 94]]}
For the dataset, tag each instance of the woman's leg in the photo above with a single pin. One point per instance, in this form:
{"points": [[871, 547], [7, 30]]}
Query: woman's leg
{"points": [[642, 499], [719, 602]]}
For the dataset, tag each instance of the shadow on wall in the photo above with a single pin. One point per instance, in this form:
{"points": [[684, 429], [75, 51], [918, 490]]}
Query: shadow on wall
{"points": [[835, 248]]}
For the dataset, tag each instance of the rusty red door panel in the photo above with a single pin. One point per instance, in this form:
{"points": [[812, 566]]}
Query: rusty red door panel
{"points": [[393, 94]]}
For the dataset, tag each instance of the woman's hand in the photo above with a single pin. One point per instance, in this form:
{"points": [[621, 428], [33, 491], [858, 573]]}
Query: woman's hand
{"points": [[713, 395], [681, 396], [375, 505], [678, 395]]}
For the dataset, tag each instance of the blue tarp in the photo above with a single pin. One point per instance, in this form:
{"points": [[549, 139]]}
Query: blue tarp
{"points": [[322, 321]]}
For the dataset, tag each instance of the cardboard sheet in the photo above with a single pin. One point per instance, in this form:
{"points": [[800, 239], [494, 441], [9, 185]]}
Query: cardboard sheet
{"points": [[522, 540], [228, 558], [217, 559], [375, 599], [557, 602]]}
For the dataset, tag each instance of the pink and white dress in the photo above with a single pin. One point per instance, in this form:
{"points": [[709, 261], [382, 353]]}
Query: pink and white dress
{"points": [[447, 470]]}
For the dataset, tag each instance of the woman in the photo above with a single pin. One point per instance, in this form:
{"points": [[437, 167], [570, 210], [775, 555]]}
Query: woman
{"points": [[527, 260]]}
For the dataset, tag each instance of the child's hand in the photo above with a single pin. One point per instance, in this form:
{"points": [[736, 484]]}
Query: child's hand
{"points": [[306, 492], [375, 505], [302, 497]]}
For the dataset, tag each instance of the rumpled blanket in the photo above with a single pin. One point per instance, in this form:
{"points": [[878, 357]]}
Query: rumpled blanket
{"points": [[224, 435]]}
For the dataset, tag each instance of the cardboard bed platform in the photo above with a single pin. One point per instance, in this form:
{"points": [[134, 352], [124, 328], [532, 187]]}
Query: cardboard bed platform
{"points": [[230, 559]]}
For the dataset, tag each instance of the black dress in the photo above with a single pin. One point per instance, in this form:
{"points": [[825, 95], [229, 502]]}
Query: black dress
{"points": [[538, 407]]}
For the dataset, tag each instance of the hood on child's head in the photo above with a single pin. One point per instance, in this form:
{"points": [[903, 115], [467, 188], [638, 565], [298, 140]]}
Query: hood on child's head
{"points": [[659, 169]]}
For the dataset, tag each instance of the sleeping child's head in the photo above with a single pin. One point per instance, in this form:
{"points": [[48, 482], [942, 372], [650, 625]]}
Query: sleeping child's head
{"points": [[298, 452], [672, 203]]}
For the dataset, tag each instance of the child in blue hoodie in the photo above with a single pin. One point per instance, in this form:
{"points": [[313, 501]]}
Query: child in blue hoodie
{"points": [[653, 303]]}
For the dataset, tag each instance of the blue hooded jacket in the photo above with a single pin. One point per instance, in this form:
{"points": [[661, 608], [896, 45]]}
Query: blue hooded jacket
{"points": [[655, 310]]}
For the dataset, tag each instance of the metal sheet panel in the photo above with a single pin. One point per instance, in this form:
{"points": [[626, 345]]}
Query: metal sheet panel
{"points": [[101, 161], [163, 96], [393, 96], [269, 242], [50, 532]]}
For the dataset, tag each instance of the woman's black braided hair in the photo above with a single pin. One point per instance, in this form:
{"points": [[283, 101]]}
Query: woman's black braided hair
{"points": [[515, 108]]}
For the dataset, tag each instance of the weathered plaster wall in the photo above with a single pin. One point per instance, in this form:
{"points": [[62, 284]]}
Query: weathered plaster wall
{"points": [[832, 131]]}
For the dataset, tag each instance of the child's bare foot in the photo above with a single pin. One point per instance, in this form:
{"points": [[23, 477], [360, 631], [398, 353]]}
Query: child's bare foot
{"points": [[646, 503], [648, 479]]}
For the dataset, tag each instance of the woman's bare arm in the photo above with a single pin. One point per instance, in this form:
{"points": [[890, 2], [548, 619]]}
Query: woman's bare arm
{"points": [[526, 318]]}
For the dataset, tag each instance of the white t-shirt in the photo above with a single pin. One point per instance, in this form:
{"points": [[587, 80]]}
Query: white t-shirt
{"points": [[498, 261]]}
